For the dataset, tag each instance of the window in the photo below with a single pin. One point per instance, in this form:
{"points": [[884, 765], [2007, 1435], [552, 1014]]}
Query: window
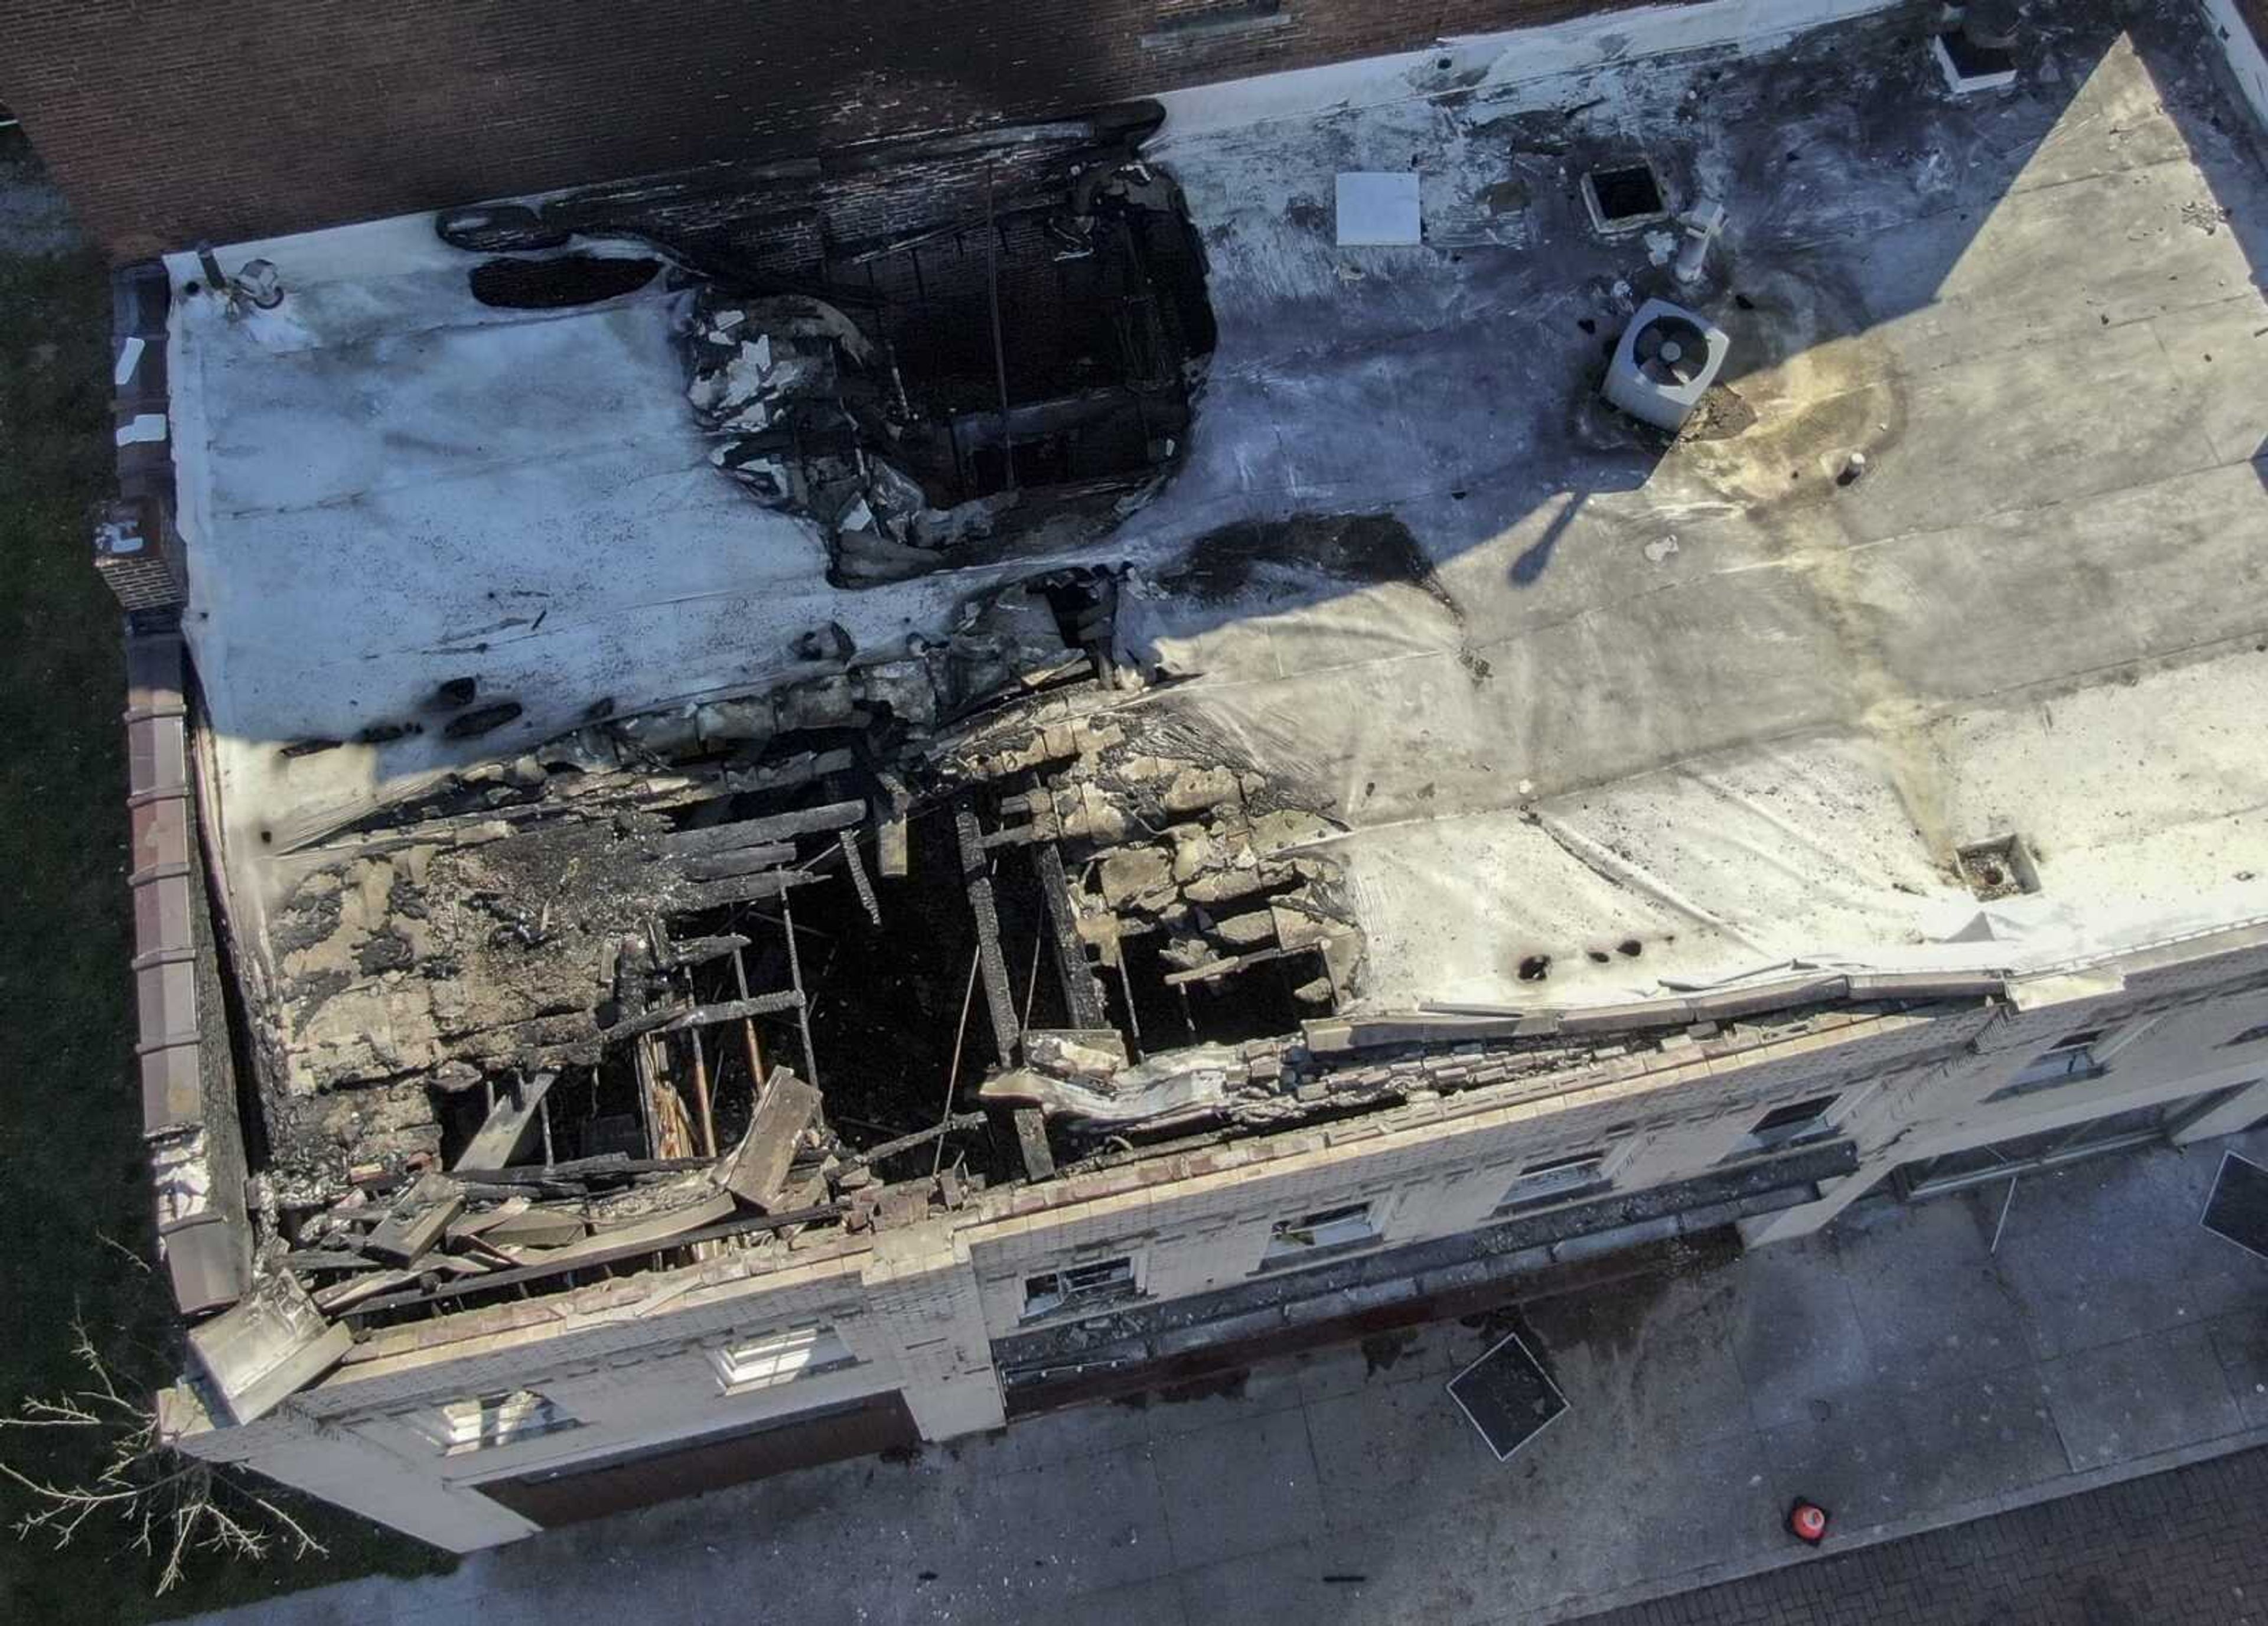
{"points": [[489, 1421], [782, 1357], [2068, 1059], [2003, 1161], [2250, 1035], [1319, 1235], [1080, 1287], [1555, 1180], [1182, 21], [1791, 1125]]}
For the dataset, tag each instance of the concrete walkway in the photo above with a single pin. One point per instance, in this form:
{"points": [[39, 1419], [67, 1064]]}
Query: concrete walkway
{"points": [[1892, 1369]]}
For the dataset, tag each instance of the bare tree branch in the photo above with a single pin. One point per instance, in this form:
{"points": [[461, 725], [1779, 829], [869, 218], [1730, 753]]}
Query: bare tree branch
{"points": [[163, 1498]]}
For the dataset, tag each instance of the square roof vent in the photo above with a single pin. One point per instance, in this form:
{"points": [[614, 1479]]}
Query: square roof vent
{"points": [[1999, 868], [1623, 197]]}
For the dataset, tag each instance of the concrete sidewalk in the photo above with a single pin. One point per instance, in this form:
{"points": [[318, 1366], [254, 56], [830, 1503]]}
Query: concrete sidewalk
{"points": [[2177, 1548], [1892, 1368]]}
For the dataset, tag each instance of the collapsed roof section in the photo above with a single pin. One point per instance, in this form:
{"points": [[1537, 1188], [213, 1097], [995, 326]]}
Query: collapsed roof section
{"points": [[942, 352], [717, 964]]}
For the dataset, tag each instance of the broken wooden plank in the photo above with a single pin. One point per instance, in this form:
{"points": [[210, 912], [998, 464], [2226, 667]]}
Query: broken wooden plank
{"points": [[739, 861], [654, 1230], [1082, 990], [976, 874], [267, 1347], [1215, 968], [466, 1227], [328, 1258], [757, 1171], [893, 846], [849, 842], [702, 1016], [342, 1295], [499, 1140], [738, 889], [586, 1261], [416, 1220], [921, 1137], [536, 1227], [454, 1264], [694, 952], [760, 832], [607, 1166], [1032, 1139]]}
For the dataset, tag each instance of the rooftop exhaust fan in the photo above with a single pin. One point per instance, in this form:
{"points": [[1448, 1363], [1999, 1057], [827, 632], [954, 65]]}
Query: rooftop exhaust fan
{"points": [[1667, 358]]}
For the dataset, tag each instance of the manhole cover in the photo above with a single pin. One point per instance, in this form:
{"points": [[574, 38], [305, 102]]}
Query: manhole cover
{"points": [[1508, 1396], [2238, 1207]]}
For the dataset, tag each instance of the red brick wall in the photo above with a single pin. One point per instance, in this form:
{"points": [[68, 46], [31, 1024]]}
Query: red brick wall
{"points": [[168, 122]]}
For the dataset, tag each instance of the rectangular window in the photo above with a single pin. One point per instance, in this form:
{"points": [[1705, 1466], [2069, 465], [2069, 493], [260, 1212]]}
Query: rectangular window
{"points": [[2069, 1059], [487, 1420], [781, 1357], [1180, 22], [1080, 1287], [1791, 1125], [1555, 1180], [1319, 1235]]}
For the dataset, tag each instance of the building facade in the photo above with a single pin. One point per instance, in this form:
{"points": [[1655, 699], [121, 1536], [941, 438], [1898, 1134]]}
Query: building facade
{"points": [[667, 1382], [402, 890]]}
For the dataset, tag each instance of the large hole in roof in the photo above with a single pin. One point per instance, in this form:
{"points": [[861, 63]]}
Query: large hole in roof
{"points": [[556, 283], [1625, 194]]}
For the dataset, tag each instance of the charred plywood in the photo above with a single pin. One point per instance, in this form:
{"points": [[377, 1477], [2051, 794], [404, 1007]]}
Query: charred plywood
{"points": [[757, 1171]]}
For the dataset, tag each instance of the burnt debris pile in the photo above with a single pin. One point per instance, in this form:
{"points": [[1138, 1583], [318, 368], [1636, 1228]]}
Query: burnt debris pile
{"points": [[835, 951], [939, 350]]}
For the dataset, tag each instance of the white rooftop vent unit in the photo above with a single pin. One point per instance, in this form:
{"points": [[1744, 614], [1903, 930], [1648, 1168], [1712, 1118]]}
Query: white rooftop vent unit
{"points": [[1667, 358]]}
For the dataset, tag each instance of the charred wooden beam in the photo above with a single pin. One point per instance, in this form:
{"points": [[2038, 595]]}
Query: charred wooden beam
{"points": [[700, 950], [416, 1220], [849, 842], [603, 1256], [1032, 1140], [999, 998], [728, 1010], [737, 861], [739, 889], [921, 1137], [608, 1163], [757, 1171], [499, 1139], [1082, 990], [763, 832]]}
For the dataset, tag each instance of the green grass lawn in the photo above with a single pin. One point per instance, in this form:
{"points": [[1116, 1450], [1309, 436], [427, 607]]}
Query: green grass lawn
{"points": [[72, 1182]]}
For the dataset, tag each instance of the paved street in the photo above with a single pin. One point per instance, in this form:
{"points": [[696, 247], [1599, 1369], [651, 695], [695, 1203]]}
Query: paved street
{"points": [[1895, 1369], [2179, 1549]]}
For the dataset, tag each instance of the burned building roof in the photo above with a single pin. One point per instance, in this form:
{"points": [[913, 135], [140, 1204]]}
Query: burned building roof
{"points": [[764, 699]]}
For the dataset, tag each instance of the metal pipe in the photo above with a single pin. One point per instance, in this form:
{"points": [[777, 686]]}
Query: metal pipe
{"points": [[748, 1029], [803, 1000], [1000, 350], [959, 1036]]}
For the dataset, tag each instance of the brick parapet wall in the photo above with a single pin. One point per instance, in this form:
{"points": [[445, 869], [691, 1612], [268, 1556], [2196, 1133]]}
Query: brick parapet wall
{"points": [[166, 125]]}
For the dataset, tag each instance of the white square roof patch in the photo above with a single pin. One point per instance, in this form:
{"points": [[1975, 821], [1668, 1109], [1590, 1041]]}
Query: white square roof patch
{"points": [[1378, 207]]}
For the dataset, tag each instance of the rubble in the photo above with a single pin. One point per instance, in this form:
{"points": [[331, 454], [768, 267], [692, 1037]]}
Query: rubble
{"points": [[266, 1348]]}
